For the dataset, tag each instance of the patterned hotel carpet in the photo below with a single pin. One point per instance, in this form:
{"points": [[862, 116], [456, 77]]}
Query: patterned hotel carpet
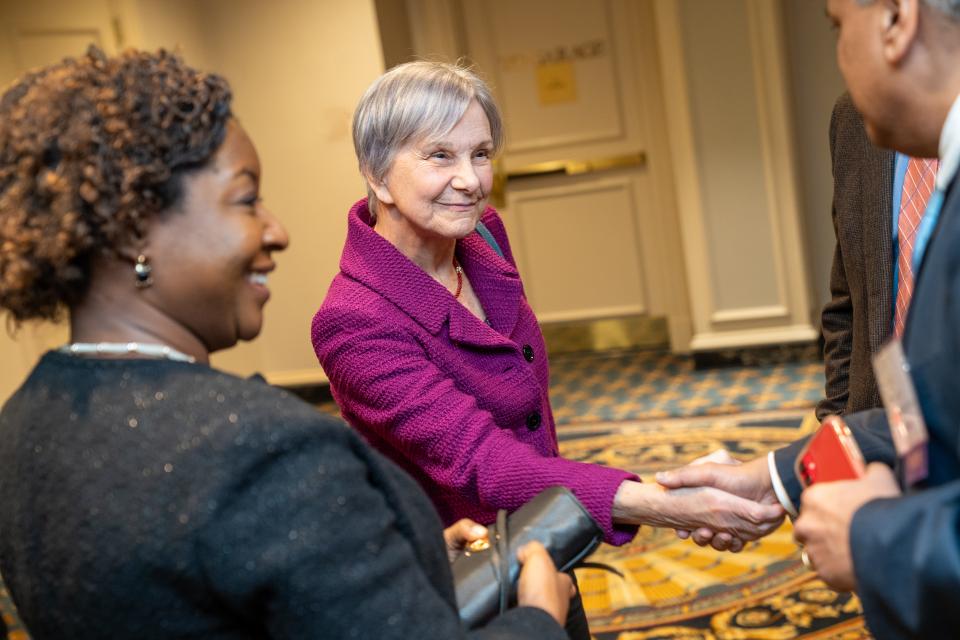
{"points": [[677, 590], [637, 410], [632, 385]]}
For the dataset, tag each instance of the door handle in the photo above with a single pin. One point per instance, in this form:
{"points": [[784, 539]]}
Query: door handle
{"points": [[498, 193]]}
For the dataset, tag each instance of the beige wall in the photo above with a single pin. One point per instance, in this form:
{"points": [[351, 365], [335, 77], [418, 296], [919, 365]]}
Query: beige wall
{"points": [[725, 84], [297, 68], [724, 110], [176, 25], [8, 69], [395, 38]]}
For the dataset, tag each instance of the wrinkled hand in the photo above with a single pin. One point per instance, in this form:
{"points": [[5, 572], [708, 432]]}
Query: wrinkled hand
{"points": [[541, 585], [720, 470], [750, 480], [703, 536], [460, 534], [694, 507], [826, 512], [724, 514]]}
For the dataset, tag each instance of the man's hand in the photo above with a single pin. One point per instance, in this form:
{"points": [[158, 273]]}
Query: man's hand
{"points": [[750, 480], [694, 507], [826, 512], [460, 534], [720, 470]]}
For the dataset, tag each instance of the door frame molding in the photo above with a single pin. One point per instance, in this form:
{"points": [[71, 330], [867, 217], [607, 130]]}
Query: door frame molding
{"points": [[788, 319]]}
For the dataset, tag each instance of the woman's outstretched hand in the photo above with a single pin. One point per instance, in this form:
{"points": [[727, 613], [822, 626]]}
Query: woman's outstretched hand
{"points": [[541, 585]]}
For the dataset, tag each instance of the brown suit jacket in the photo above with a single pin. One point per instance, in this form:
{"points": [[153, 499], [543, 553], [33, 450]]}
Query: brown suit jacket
{"points": [[858, 317]]}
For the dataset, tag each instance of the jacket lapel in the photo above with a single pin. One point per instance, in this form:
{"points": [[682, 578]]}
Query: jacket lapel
{"points": [[374, 262], [497, 285]]}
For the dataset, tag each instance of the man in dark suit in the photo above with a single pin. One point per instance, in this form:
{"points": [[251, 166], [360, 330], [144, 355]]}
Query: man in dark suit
{"points": [[901, 551], [858, 318]]}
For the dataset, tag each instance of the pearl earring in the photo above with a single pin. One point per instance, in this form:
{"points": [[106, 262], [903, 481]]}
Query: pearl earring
{"points": [[142, 269]]}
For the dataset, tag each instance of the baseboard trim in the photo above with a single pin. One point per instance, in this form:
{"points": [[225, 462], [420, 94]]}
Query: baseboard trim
{"points": [[746, 338], [606, 334], [758, 355]]}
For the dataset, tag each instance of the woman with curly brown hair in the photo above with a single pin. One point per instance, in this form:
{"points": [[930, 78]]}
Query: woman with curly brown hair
{"points": [[142, 493]]}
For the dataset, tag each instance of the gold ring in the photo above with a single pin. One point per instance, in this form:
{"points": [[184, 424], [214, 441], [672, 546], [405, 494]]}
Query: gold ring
{"points": [[480, 544], [805, 559]]}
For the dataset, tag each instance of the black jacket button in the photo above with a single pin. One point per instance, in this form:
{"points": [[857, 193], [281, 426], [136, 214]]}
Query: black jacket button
{"points": [[528, 353], [534, 420]]}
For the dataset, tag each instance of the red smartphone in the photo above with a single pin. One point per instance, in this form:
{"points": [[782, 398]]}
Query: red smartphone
{"points": [[831, 454]]}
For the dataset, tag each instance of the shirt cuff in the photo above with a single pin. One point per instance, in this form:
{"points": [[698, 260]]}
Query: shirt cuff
{"points": [[778, 487]]}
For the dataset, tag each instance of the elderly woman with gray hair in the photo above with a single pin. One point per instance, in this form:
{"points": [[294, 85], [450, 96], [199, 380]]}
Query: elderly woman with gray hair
{"points": [[431, 349]]}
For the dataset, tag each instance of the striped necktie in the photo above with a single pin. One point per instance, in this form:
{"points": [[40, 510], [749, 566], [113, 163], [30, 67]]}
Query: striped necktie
{"points": [[917, 186]]}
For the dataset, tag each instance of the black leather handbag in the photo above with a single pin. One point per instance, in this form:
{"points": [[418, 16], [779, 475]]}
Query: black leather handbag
{"points": [[486, 580]]}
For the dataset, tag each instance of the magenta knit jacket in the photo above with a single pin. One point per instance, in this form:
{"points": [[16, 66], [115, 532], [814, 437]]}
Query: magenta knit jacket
{"points": [[461, 405]]}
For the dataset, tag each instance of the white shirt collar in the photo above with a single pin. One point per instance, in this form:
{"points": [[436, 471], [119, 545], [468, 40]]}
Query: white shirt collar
{"points": [[949, 147]]}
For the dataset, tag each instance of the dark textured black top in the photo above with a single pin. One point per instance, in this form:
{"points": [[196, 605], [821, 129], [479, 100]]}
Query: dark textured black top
{"points": [[156, 499]]}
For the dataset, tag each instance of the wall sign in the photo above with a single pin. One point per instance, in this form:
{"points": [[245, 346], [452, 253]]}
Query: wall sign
{"points": [[556, 83]]}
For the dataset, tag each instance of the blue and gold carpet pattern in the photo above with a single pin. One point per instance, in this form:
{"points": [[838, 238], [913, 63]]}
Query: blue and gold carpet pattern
{"points": [[649, 384]]}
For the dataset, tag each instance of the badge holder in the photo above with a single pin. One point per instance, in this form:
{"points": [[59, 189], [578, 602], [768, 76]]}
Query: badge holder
{"points": [[907, 426]]}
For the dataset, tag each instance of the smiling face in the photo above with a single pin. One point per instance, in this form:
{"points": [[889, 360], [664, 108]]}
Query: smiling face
{"points": [[437, 189], [211, 252]]}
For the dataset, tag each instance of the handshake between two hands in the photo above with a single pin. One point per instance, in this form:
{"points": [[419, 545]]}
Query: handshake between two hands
{"points": [[742, 506], [716, 500]]}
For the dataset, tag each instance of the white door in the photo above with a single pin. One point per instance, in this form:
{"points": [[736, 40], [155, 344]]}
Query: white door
{"points": [[34, 34], [587, 193], [39, 32]]}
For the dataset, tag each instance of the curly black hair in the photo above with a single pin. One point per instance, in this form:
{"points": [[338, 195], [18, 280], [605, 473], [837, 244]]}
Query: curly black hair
{"points": [[91, 149]]}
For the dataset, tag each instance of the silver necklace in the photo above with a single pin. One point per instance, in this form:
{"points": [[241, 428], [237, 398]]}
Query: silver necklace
{"points": [[126, 348]]}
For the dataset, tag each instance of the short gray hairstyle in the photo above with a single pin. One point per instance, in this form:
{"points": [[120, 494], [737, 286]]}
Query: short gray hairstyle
{"points": [[413, 101]]}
